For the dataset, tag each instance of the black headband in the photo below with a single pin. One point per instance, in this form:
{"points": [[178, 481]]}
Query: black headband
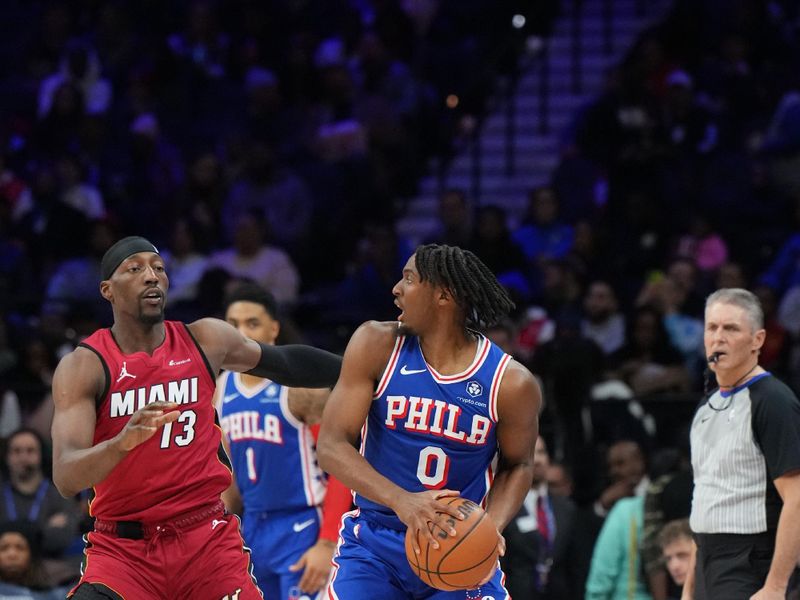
{"points": [[122, 250]]}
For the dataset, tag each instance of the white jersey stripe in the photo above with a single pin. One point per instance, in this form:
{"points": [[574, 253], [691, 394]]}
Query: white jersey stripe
{"points": [[348, 515], [495, 391], [390, 366]]}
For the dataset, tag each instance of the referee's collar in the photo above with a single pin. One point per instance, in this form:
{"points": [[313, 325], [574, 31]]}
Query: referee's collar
{"points": [[740, 387]]}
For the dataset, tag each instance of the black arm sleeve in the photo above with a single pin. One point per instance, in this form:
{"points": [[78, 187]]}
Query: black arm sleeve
{"points": [[296, 365]]}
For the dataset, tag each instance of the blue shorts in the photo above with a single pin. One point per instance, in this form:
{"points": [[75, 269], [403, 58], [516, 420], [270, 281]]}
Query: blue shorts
{"points": [[277, 540], [370, 562]]}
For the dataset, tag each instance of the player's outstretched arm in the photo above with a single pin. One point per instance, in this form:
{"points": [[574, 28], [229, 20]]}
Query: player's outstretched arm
{"points": [[77, 463], [345, 412], [293, 365]]}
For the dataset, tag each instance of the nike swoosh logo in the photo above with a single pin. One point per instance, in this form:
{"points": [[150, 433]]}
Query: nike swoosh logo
{"points": [[228, 397], [406, 371], [298, 527], [704, 420]]}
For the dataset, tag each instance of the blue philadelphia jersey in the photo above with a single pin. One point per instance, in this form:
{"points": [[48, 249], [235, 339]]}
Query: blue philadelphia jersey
{"points": [[431, 431], [272, 452]]}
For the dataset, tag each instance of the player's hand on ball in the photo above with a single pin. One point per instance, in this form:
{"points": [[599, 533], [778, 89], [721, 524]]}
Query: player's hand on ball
{"points": [[145, 422], [501, 549], [419, 509], [316, 565]]}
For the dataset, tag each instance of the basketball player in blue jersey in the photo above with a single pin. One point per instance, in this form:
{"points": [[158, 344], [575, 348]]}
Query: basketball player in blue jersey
{"points": [[291, 509], [433, 403]]}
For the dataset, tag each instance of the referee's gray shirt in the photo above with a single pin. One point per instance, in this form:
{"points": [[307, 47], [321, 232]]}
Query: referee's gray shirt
{"points": [[738, 450]]}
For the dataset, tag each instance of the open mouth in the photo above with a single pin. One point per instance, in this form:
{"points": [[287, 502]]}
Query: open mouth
{"points": [[153, 297]]}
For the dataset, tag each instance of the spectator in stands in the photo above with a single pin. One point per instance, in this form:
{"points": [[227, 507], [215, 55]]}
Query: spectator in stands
{"points": [[381, 254], [559, 479], [731, 275], [775, 353], [677, 547], [183, 262], [74, 282], [21, 573], [627, 472], [686, 129], [31, 496], [561, 292], [29, 382], [16, 200], [671, 296], [504, 334], [784, 271], [542, 235], [588, 250], [602, 322], [454, 226], [268, 117], [202, 198], [80, 67], [153, 177], [76, 192], [703, 245], [616, 572], [546, 556], [58, 131], [569, 365], [492, 243], [250, 258], [648, 362], [274, 191], [668, 498]]}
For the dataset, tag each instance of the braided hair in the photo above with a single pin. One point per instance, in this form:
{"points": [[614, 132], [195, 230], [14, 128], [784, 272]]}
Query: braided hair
{"points": [[472, 285]]}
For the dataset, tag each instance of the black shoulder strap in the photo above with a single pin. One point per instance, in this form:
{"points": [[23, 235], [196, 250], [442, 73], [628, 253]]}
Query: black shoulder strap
{"points": [[99, 398]]}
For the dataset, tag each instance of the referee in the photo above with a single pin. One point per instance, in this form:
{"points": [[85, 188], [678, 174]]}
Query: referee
{"points": [[746, 458]]}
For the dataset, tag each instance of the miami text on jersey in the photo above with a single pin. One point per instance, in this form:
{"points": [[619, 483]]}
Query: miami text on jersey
{"points": [[124, 404]]}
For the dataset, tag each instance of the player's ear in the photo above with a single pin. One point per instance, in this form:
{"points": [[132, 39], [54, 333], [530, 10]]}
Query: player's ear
{"points": [[443, 296], [276, 329], [105, 289]]}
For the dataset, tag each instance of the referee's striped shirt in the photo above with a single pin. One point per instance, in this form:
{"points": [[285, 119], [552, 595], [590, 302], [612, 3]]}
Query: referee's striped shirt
{"points": [[742, 440]]}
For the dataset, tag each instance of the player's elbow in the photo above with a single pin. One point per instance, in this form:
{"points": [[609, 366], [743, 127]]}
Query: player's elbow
{"points": [[326, 453], [65, 484], [64, 488]]}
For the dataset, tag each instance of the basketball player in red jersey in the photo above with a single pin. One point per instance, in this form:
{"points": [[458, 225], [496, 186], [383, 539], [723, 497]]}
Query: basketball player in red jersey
{"points": [[134, 420]]}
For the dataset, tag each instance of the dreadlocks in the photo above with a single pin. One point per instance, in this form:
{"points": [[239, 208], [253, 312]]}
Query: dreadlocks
{"points": [[473, 286]]}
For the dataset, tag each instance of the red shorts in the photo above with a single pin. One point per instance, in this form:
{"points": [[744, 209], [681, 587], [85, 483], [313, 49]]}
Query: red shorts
{"points": [[202, 560]]}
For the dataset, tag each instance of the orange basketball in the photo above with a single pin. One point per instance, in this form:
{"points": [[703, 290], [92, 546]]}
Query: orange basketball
{"points": [[460, 562]]}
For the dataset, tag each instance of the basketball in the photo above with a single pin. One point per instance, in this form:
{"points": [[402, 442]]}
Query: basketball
{"points": [[460, 562]]}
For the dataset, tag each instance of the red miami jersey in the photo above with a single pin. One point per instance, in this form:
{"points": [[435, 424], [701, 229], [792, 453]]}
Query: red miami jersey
{"points": [[183, 467]]}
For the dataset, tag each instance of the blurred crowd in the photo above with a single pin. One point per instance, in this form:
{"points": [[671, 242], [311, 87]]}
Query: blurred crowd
{"points": [[279, 142]]}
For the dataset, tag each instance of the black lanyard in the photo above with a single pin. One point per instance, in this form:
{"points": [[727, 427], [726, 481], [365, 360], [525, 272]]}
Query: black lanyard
{"points": [[33, 513]]}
